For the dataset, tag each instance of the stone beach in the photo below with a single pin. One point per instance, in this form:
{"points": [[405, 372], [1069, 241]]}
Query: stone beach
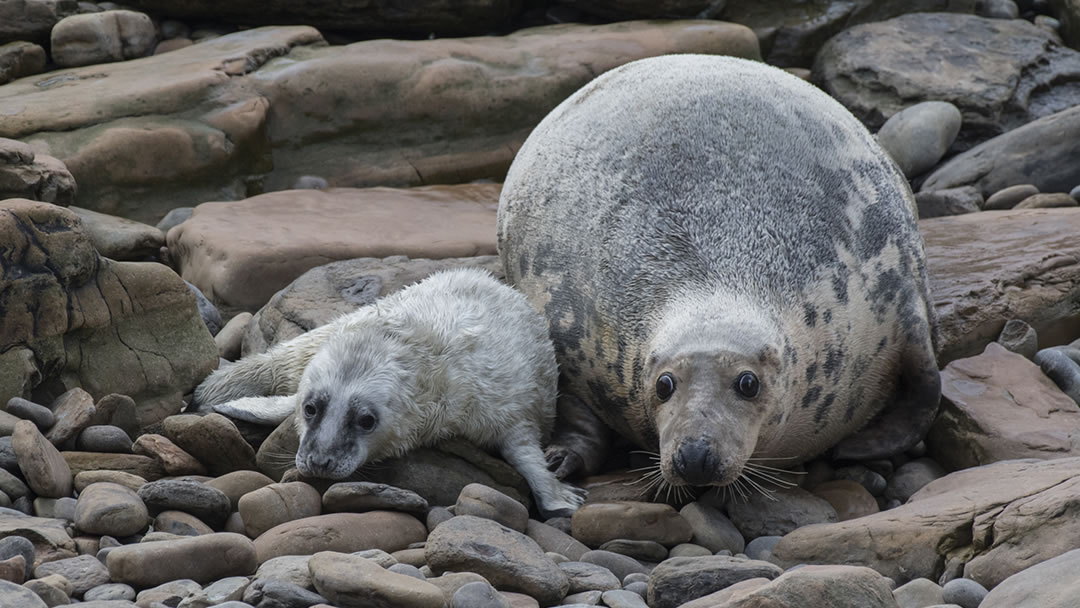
{"points": [[186, 183]]}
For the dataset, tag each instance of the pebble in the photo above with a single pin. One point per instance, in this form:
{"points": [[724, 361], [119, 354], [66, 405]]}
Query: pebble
{"points": [[8, 460], [103, 438], [272, 593], [963, 592], [478, 594], [181, 524], [918, 136], [912, 476], [479, 500], [201, 558], [213, 440], [361, 496], [12, 486], [352, 581], [41, 416], [174, 460], [408, 570], [110, 508], [118, 410], [761, 547], [414, 557], [1047, 201], [584, 576], [1019, 337], [450, 582], [848, 498], [583, 598], [231, 337], [506, 558], [17, 595], [690, 550], [238, 483], [378, 556], [74, 410], [51, 594], [776, 515], [288, 568], [871, 480], [180, 589], [207, 503], [221, 591], [1007, 198], [596, 523], [644, 550], [918, 593], [620, 565], [345, 532], [999, 9], [276, 504], [84, 572], [639, 587], [13, 569], [110, 591], [553, 540], [45, 470], [712, 529], [681, 579], [132, 482], [951, 201], [436, 516], [624, 598], [12, 546], [1075, 192]]}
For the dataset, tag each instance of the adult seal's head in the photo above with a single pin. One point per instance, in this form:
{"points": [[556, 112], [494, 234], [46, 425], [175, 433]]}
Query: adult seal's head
{"points": [[729, 265]]}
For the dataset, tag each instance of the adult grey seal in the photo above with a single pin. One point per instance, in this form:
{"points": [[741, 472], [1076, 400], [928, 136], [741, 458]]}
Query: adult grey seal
{"points": [[730, 267], [458, 354]]}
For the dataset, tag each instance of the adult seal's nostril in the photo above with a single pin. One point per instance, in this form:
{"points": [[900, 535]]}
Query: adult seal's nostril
{"points": [[694, 462]]}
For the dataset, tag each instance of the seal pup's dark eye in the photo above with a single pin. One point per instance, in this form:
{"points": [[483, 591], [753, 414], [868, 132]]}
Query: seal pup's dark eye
{"points": [[310, 409], [665, 386], [747, 384], [367, 422]]}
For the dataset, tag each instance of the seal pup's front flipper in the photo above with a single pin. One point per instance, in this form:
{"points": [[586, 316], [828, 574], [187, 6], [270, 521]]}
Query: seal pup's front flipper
{"points": [[904, 422], [259, 410]]}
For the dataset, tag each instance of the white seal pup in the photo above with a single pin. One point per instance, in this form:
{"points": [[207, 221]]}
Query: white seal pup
{"points": [[730, 267], [457, 355]]}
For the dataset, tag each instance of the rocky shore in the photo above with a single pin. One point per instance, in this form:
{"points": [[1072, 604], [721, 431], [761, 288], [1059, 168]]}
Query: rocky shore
{"points": [[186, 183]]}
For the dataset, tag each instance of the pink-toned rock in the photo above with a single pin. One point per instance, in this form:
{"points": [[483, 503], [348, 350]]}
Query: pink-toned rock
{"points": [[1000, 406], [74, 411], [343, 532], [204, 559], [596, 523], [174, 460], [45, 470]]}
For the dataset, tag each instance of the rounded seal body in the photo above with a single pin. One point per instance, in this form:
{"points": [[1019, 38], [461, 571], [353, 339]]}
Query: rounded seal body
{"points": [[729, 264]]}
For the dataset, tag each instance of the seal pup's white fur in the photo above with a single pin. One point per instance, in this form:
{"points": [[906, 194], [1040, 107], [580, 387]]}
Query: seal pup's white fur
{"points": [[457, 355]]}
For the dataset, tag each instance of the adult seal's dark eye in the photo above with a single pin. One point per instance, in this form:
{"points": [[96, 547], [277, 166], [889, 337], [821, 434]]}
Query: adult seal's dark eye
{"points": [[747, 384], [665, 386]]}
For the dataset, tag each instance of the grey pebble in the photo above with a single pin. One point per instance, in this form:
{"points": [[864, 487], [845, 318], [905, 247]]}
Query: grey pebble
{"points": [[761, 547], [18, 545], [478, 594], [408, 570], [624, 599], [41, 416], [964, 592], [104, 438], [639, 587], [110, 591]]}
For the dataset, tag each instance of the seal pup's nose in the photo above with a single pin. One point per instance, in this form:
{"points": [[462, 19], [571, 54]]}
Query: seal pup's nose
{"points": [[319, 465], [694, 462]]}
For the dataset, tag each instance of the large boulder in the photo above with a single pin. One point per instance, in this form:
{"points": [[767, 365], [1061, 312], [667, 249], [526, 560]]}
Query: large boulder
{"points": [[102, 38], [240, 253], [1000, 73], [326, 292], [74, 319], [258, 109], [1040, 153], [986, 268], [18, 59], [985, 523], [416, 17], [32, 19]]}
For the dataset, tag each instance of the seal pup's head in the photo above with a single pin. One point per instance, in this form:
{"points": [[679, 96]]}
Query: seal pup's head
{"points": [[711, 384], [353, 403]]}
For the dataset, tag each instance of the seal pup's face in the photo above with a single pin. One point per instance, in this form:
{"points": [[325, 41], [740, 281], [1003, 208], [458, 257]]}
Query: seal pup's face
{"points": [[350, 406], [710, 391]]}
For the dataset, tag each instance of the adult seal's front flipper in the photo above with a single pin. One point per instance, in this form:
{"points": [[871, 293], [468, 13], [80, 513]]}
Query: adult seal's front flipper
{"points": [[580, 442]]}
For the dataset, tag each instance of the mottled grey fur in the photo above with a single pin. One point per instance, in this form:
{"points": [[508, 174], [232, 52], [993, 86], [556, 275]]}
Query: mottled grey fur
{"points": [[712, 215]]}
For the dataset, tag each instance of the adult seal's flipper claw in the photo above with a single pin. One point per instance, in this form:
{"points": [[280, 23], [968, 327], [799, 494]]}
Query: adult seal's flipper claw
{"points": [[580, 442]]}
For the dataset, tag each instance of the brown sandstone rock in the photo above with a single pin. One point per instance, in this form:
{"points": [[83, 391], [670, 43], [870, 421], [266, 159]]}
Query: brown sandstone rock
{"points": [[596, 523], [94, 38], [49, 536], [213, 439], [18, 59], [174, 460], [119, 238], [44, 468], [833, 586], [345, 532], [203, 559], [986, 268], [39, 177], [139, 466], [352, 581], [32, 19]]}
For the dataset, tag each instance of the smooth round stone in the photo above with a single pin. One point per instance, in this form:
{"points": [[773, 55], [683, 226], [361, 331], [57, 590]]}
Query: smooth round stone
{"points": [[786, 510], [362, 496], [174, 460], [635, 577], [346, 532], [918, 136], [110, 591], [918, 593], [872, 481], [207, 503], [238, 483], [963, 592], [216, 593], [596, 523], [999, 9], [276, 504], [103, 438], [112, 509], [619, 565], [436, 516], [12, 486], [118, 410], [479, 500], [681, 579], [560, 523], [1049, 200], [354, 581], [267, 592], [645, 550], [450, 582], [17, 595], [378, 556], [13, 569], [850, 499], [288, 568], [129, 481], [911, 477], [178, 589], [213, 440], [639, 587], [761, 547], [180, 524], [40, 415], [589, 577], [554, 540], [74, 411], [582, 598], [45, 470], [408, 570], [200, 558], [478, 594], [12, 546], [230, 339], [624, 598], [64, 508], [712, 529], [52, 594], [689, 550], [84, 572], [8, 461], [1019, 337], [413, 557], [1007, 198], [1075, 192]]}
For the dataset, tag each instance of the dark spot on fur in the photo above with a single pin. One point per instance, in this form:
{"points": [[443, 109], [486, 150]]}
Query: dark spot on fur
{"points": [[823, 408], [827, 316], [790, 355], [839, 283], [811, 371], [811, 396], [834, 359], [881, 345], [809, 315]]}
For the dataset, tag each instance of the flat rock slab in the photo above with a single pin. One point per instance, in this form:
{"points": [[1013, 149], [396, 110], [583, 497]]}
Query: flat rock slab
{"points": [[986, 268], [203, 559], [986, 523], [1001, 406], [240, 253]]}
